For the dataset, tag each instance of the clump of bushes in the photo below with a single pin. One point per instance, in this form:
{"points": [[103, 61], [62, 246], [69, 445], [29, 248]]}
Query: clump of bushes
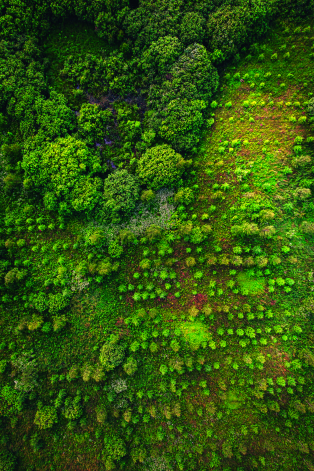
{"points": [[161, 166]]}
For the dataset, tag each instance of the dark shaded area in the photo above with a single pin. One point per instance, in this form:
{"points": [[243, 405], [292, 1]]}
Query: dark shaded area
{"points": [[134, 4]]}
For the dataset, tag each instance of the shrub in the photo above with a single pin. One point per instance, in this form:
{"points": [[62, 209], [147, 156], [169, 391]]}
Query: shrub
{"points": [[275, 260], [190, 262], [310, 107], [121, 191], [185, 196], [281, 381], [101, 414], [246, 229], [237, 260], [64, 169], [111, 355], [72, 408], [96, 237], [45, 417], [26, 365], [211, 259], [268, 231], [126, 236], [94, 123], [261, 261], [3, 364], [73, 372], [267, 215], [114, 447], [160, 166], [12, 153], [14, 275], [145, 264], [130, 366], [161, 55], [192, 28], [153, 232], [98, 373], [185, 229], [301, 161], [87, 371], [197, 235], [115, 250], [302, 193], [148, 195], [307, 227], [59, 322], [35, 322]]}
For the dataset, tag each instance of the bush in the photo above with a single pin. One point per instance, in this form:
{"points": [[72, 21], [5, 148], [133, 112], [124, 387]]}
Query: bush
{"points": [[148, 195], [63, 171], [14, 275], [161, 55], [301, 161], [268, 231], [45, 417], [177, 106], [198, 235], [115, 250], [194, 75], [160, 166], [53, 117], [12, 153], [59, 322], [192, 28], [111, 355], [302, 193], [190, 262], [105, 267], [246, 229], [121, 192], [230, 26], [93, 123], [310, 107], [153, 232], [27, 367], [72, 408], [114, 447], [130, 366], [35, 322], [101, 414], [181, 123], [185, 196], [307, 227]]}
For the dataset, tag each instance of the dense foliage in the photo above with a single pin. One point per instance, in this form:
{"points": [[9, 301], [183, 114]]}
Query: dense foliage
{"points": [[156, 230]]}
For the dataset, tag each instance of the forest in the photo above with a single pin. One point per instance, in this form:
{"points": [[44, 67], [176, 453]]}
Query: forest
{"points": [[156, 231]]}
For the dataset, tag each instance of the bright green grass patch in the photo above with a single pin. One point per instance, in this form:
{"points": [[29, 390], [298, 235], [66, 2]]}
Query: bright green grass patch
{"points": [[234, 400], [195, 333], [250, 285]]}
